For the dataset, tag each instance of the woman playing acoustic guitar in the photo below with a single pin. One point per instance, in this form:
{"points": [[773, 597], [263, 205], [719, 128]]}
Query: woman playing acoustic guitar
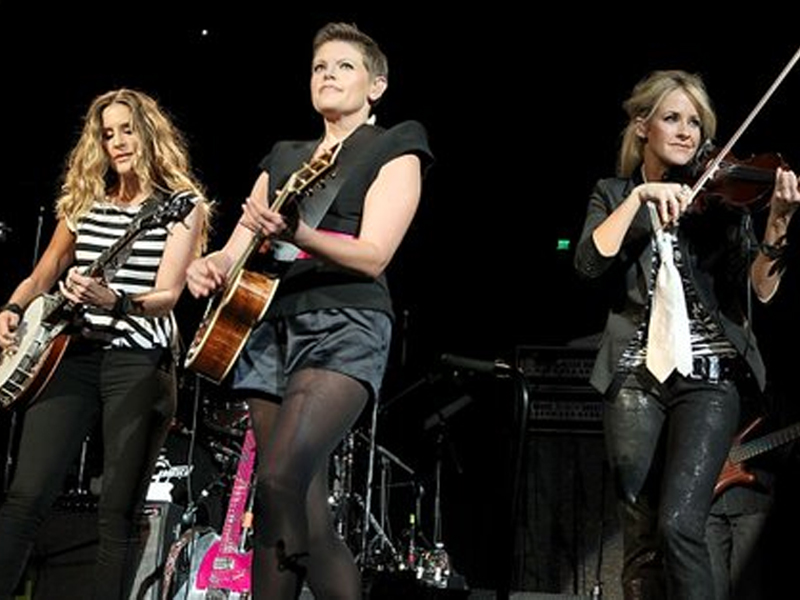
{"points": [[124, 253], [312, 365]]}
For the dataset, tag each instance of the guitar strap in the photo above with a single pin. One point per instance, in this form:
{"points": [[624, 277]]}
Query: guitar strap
{"points": [[314, 207]]}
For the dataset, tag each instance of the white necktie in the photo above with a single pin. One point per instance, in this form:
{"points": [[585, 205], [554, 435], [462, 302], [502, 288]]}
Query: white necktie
{"points": [[669, 345]]}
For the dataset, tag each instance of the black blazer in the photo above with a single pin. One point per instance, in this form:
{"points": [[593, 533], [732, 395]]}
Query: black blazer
{"points": [[716, 247]]}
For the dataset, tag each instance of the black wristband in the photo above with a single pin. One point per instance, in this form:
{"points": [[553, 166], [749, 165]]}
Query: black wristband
{"points": [[123, 304], [14, 308]]}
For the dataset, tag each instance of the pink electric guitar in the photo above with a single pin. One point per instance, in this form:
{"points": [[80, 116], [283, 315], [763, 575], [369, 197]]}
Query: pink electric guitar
{"points": [[220, 564]]}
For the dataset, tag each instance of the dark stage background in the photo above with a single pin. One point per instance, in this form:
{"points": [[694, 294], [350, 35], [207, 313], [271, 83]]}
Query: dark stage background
{"points": [[523, 111]]}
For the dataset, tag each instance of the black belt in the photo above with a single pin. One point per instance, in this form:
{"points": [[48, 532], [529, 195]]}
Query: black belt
{"points": [[715, 368]]}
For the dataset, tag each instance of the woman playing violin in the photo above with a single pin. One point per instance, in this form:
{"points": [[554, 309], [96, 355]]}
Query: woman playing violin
{"points": [[669, 429]]}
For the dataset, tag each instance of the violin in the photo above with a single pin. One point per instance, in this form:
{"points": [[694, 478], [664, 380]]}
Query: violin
{"points": [[744, 185]]}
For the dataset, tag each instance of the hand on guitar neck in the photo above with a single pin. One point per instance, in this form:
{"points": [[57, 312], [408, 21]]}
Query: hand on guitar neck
{"points": [[42, 331], [241, 297]]}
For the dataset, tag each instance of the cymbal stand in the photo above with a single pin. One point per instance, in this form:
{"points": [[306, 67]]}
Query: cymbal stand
{"points": [[387, 459], [341, 491], [437, 489]]}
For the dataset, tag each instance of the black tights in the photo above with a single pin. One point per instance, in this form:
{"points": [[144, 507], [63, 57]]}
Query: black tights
{"points": [[295, 539]]}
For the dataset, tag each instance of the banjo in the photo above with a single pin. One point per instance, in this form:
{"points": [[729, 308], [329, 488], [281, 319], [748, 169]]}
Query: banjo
{"points": [[44, 330]]}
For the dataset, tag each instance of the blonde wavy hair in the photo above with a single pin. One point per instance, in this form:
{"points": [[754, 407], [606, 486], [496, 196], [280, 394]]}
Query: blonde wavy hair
{"points": [[161, 163], [644, 101]]}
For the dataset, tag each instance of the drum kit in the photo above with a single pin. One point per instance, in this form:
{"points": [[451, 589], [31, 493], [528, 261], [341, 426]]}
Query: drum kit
{"points": [[364, 479]]}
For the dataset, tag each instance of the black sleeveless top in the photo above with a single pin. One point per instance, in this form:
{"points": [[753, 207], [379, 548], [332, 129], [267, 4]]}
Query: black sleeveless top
{"points": [[309, 283]]}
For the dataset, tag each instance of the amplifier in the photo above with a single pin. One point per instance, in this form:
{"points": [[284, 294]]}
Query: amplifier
{"points": [[561, 397], [566, 365], [575, 409], [66, 548], [160, 527]]}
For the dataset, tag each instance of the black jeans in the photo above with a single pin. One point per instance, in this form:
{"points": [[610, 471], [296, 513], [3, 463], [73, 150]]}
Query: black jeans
{"points": [[737, 549], [667, 444], [133, 392]]}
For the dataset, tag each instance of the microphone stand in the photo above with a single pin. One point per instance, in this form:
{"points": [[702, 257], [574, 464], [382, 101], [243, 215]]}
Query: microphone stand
{"points": [[12, 429], [518, 454]]}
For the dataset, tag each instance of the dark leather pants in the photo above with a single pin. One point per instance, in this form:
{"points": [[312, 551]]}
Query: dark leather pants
{"points": [[667, 444]]}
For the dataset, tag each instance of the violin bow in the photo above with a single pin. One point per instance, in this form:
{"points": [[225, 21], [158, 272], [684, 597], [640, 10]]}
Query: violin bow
{"points": [[712, 168]]}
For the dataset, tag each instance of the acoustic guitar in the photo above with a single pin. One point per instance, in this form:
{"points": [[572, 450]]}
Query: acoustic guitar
{"points": [[734, 471], [233, 312], [43, 333]]}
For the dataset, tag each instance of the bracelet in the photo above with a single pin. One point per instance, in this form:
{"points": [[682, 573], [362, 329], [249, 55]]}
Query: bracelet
{"points": [[123, 305], [14, 308], [774, 251]]}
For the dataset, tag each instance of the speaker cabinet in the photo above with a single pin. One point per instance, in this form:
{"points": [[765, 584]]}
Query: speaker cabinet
{"points": [[160, 527], [64, 555], [568, 538]]}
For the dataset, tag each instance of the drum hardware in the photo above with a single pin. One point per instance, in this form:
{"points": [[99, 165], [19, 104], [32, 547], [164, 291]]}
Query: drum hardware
{"points": [[341, 487], [349, 507], [229, 419], [84, 493], [190, 512], [80, 489], [222, 454], [367, 532]]}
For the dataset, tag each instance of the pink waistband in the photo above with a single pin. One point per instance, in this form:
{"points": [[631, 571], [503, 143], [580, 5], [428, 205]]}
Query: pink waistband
{"points": [[304, 254]]}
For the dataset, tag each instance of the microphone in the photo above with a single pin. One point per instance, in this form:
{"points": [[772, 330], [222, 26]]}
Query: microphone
{"points": [[495, 367]]}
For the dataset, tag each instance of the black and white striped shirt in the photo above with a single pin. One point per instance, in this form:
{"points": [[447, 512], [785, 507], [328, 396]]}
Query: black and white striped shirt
{"points": [[97, 231]]}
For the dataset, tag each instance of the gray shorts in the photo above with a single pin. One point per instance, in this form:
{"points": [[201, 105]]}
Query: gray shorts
{"points": [[350, 341]]}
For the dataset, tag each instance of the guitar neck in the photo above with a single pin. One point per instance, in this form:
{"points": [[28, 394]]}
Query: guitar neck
{"points": [[232, 529], [107, 257], [110, 258], [96, 269], [299, 182], [240, 263], [763, 444]]}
